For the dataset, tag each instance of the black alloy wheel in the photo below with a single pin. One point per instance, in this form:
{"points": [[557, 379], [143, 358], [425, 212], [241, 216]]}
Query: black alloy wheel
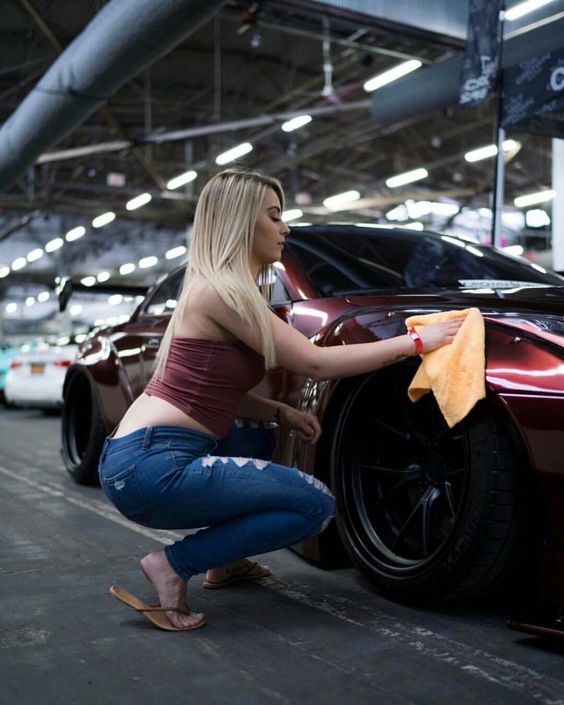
{"points": [[83, 431], [427, 512]]}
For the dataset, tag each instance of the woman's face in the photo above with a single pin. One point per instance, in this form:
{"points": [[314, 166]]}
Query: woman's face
{"points": [[270, 233]]}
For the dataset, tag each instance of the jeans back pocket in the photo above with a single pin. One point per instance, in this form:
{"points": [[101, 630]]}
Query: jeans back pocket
{"points": [[122, 489]]}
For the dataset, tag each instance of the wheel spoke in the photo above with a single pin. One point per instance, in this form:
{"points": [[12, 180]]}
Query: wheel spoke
{"points": [[398, 432], [407, 522], [387, 494], [449, 498], [427, 501], [411, 472]]}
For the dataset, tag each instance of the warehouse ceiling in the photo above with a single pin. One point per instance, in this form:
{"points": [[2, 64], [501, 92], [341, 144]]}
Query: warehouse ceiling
{"points": [[234, 80]]}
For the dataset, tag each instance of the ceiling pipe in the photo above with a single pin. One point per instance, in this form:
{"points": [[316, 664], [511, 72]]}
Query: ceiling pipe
{"points": [[201, 130], [121, 40]]}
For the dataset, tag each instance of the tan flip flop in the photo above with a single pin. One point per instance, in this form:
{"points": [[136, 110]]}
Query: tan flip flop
{"points": [[154, 614], [254, 571]]}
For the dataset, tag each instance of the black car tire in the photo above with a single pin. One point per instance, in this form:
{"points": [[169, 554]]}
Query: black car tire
{"points": [[83, 431], [429, 514]]}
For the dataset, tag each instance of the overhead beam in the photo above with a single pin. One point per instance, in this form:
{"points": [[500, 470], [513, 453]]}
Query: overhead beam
{"points": [[121, 40]]}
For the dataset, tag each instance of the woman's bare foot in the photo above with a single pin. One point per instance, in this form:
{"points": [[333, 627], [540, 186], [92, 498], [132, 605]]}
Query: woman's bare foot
{"points": [[216, 575], [170, 588]]}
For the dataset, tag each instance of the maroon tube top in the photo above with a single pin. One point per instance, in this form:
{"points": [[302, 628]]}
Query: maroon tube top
{"points": [[207, 379]]}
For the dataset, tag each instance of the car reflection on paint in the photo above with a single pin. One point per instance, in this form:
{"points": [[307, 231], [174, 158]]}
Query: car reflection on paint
{"points": [[428, 513]]}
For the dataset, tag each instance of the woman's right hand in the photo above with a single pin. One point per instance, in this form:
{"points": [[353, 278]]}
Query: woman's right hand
{"points": [[438, 334]]}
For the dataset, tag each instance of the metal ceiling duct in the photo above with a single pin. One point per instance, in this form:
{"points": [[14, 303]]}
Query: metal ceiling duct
{"points": [[446, 18], [437, 87], [122, 39]]}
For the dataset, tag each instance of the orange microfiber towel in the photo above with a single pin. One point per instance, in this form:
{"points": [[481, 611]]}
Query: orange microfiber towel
{"points": [[455, 373]]}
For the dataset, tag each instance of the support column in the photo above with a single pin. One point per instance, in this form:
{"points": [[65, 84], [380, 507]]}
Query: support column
{"points": [[558, 205]]}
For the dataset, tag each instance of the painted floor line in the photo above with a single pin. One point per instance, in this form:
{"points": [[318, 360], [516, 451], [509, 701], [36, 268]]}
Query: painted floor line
{"points": [[97, 507], [501, 672]]}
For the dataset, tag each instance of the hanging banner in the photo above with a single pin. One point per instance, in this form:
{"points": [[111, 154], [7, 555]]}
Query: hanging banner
{"points": [[481, 55], [533, 95]]}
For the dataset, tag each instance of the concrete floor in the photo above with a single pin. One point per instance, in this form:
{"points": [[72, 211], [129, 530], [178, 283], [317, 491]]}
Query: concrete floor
{"points": [[305, 636]]}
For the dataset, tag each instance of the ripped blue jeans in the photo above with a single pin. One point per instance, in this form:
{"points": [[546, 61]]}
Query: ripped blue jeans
{"points": [[165, 477]]}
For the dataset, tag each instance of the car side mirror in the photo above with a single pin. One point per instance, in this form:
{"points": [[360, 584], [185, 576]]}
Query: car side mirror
{"points": [[64, 292]]}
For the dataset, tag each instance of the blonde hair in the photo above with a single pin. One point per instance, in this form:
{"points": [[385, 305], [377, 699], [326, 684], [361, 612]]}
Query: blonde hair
{"points": [[220, 253]]}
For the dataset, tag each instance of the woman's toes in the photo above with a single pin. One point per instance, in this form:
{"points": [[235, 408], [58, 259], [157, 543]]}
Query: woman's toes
{"points": [[185, 621]]}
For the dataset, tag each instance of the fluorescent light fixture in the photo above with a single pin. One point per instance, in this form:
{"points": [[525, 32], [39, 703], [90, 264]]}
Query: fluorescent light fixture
{"points": [[391, 75], [453, 241], [11, 307], [76, 309], [102, 277], [397, 213], [75, 233], [340, 199], [30, 300], [292, 214], [43, 297], [234, 153], [531, 199], [140, 200], [54, 244], [19, 263], [407, 177], [513, 219], [127, 268], [295, 123], [182, 179], [34, 254], [537, 218], [417, 225], [490, 150], [4, 271], [88, 281], [523, 8], [103, 219], [445, 209], [146, 262], [516, 250], [115, 299], [175, 252]]}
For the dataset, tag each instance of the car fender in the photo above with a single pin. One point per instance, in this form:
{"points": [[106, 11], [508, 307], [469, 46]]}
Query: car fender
{"points": [[98, 360]]}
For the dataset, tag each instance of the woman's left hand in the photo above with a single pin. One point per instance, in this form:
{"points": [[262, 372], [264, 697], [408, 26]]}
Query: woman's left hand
{"points": [[307, 426]]}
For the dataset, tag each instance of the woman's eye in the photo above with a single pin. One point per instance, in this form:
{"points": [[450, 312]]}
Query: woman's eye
{"points": [[277, 220]]}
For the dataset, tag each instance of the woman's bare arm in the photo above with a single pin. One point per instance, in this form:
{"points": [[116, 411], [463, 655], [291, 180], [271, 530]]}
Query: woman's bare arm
{"points": [[258, 408], [295, 352]]}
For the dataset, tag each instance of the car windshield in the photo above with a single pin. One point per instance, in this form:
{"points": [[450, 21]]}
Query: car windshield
{"points": [[339, 261]]}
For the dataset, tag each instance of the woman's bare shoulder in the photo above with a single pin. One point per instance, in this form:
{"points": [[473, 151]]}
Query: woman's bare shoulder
{"points": [[204, 296], [202, 313]]}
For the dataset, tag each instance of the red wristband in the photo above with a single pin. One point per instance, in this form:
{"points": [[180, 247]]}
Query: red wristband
{"points": [[414, 335]]}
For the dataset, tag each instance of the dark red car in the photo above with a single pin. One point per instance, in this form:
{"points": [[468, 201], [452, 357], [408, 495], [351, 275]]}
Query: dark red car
{"points": [[427, 512]]}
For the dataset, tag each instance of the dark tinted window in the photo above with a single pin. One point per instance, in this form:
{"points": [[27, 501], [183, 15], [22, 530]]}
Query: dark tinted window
{"points": [[354, 259], [165, 296]]}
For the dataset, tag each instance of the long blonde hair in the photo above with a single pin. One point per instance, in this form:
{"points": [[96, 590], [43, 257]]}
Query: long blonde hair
{"points": [[220, 253]]}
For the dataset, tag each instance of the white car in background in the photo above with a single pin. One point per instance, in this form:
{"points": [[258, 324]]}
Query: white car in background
{"points": [[36, 376]]}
